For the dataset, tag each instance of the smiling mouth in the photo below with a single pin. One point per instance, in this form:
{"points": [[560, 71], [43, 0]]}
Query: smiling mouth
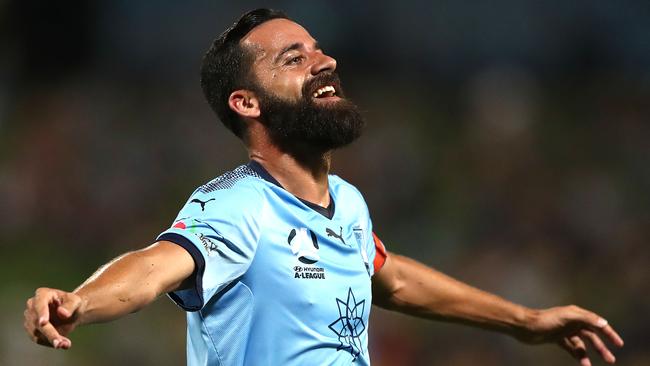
{"points": [[325, 92]]}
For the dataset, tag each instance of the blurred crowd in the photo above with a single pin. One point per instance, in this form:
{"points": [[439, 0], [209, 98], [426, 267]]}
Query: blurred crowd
{"points": [[507, 145]]}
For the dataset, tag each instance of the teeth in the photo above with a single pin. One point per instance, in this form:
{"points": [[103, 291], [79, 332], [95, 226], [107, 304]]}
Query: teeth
{"points": [[324, 89]]}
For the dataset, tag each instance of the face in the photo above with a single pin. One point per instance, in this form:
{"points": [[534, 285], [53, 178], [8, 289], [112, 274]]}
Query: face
{"points": [[300, 97]]}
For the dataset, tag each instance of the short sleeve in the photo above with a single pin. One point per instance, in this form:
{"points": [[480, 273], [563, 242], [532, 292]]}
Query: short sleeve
{"points": [[220, 230], [372, 248], [373, 251]]}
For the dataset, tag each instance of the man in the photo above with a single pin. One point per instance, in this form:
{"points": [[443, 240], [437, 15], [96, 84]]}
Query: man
{"points": [[276, 262]]}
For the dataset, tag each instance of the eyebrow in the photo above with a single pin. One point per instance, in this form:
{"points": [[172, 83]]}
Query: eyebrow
{"points": [[292, 47]]}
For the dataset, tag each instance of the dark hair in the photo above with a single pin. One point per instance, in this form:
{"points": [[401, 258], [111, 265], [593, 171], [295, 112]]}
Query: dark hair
{"points": [[226, 66]]}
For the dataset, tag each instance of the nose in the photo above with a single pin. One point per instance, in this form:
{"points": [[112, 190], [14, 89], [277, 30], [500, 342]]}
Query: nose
{"points": [[323, 63]]}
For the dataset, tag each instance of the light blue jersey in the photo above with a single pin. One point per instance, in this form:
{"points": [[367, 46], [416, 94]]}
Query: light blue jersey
{"points": [[279, 281]]}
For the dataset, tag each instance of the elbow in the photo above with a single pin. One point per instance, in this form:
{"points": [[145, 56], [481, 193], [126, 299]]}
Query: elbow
{"points": [[391, 295], [400, 289], [398, 298]]}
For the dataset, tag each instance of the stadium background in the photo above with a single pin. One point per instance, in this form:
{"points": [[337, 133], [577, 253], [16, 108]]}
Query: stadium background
{"points": [[507, 145]]}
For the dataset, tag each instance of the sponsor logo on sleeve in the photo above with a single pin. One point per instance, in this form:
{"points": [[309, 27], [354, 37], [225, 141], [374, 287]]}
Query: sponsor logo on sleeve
{"points": [[209, 245]]}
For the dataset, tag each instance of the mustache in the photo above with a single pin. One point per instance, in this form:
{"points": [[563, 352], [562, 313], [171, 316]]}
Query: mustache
{"points": [[320, 80]]}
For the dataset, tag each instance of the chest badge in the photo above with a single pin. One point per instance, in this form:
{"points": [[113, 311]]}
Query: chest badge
{"points": [[304, 245]]}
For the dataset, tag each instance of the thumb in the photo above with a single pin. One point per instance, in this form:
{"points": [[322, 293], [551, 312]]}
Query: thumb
{"points": [[69, 305]]}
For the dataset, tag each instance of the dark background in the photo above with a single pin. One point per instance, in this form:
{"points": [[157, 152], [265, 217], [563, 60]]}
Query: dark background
{"points": [[507, 145]]}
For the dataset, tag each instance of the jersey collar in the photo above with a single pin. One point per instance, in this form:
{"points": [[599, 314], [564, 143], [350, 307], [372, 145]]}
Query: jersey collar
{"points": [[264, 174]]}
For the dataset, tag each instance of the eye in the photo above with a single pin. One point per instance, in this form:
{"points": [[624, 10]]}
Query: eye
{"points": [[295, 60]]}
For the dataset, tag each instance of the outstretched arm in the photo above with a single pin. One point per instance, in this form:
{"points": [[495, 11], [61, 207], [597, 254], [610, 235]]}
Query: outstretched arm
{"points": [[410, 287], [124, 285]]}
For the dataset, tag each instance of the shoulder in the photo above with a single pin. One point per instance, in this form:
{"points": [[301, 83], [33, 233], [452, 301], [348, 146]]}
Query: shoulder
{"points": [[346, 190], [339, 184], [237, 190], [239, 178]]}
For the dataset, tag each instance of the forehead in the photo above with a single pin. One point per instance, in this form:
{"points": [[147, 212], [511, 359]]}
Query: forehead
{"points": [[272, 36]]}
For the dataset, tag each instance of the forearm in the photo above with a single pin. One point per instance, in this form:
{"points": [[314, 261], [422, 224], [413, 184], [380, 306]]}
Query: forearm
{"points": [[421, 291], [120, 287], [132, 281]]}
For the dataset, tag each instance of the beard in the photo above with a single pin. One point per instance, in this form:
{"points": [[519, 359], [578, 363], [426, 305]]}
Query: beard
{"points": [[306, 129]]}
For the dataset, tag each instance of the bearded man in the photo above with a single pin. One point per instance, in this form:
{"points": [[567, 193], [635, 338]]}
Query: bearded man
{"points": [[276, 261]]}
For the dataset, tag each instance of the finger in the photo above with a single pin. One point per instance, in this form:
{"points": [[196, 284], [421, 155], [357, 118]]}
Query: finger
{"points": [[63, 344], [599, 345], [43, 341], [29, 329], [570, 347], [601, 325], [28, 322], [50, 334], [567, 345], [580, 350], [66, 343], [574, 351], [41, 305], [68, 306], [597, 323], [611, 334]]}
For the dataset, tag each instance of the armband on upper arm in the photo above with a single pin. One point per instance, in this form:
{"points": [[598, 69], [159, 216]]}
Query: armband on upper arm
{"points": [[380, 253]]}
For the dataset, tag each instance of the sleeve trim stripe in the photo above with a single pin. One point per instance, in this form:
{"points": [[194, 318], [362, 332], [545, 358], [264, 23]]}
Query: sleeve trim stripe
{"points": [[199, 269]]}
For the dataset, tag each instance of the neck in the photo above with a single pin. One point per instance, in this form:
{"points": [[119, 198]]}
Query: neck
{"points": [[304, 178]]}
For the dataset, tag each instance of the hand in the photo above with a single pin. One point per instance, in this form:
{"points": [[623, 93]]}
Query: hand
{"points": [[573, 328], [51, 315]]}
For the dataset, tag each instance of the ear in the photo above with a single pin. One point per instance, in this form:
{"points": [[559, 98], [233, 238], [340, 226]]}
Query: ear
{"points": [[244, 103]]}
